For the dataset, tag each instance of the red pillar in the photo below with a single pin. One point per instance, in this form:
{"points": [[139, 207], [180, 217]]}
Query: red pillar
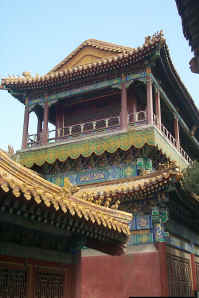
{"points": [[149, 96], [176, 132], [124, 109], [163, 269], [25, 125], [158, 108], [39, 129], [45, 127]]}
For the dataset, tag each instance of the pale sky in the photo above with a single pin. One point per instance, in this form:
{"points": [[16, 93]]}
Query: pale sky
{"points": [[36, 35]]}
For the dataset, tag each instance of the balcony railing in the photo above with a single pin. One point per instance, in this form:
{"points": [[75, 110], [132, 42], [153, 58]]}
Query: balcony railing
{"points": [[76, 130], [83, 129], [103, 125], [137, 118], [170, 138], [34, 140]]}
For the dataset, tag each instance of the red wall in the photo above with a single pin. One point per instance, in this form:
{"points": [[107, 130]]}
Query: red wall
{"points": [[121, 277]]}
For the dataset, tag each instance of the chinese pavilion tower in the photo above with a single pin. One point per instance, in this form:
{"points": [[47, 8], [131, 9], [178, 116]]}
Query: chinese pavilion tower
{"points": [[124, 127]]}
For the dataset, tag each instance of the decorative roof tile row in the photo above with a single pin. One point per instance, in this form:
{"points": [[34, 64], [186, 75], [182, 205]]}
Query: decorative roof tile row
{"points": [[79, 72], [136, 187], [22, 181], [98, 44]]}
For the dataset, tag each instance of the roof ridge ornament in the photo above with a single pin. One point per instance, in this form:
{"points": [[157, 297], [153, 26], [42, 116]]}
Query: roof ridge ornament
{"points": [[168, 165], [26, 74], [69, 188]]}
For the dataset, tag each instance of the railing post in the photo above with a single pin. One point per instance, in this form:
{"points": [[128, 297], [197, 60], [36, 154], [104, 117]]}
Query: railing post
{"points": [[149, 96], [82, 127], [177, 133], [158, 108], [70, 130], [124, 110], [45, 127], [25, 125]]}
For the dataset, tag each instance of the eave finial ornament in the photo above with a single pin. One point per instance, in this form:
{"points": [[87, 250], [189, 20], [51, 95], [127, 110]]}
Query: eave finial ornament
{"points": [[168, 165], [172, 167], [11, 151], [69, 188], [155, 37], [26, 74]]}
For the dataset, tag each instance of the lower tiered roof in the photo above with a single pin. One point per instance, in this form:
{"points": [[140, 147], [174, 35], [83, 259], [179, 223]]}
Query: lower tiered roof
{"points": [[135, 188], [24, 193]]}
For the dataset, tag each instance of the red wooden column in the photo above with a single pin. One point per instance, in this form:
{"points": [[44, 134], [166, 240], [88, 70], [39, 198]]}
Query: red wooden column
{"points": [[177, 133], [163, 269], [39, 129], [149, 96], [45, 126], [25, 125], [124, 109], [158, 108]]}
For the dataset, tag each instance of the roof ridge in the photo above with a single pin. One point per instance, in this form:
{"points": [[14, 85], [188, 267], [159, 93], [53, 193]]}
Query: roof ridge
{"points": [[150, 42], [94, 43], [109, 44]]}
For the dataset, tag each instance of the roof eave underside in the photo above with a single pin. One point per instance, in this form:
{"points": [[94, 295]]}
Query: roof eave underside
{"points": [[189, 10], [170, 70]]}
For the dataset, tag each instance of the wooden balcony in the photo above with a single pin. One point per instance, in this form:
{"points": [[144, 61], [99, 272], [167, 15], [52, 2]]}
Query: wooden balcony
{"points": [[103, 126]]}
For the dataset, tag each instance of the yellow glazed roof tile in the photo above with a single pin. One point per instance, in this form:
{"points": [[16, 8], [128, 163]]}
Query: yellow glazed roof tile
{"points": [[142, 184], [22, 181], [119, 55]]}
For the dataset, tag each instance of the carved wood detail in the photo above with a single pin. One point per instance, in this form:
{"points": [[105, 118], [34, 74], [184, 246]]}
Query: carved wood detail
{"points": [[179, 276], [49, 284], [13, 282]]}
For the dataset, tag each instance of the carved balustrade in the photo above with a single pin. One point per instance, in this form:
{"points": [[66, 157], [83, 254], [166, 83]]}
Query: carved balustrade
{"points": [[104, 125], [137, 118], [170, 138]]}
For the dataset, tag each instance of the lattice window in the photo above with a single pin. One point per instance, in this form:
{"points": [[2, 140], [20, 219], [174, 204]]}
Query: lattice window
{"points": [[179, 276], [13, 283], [49, 285]]}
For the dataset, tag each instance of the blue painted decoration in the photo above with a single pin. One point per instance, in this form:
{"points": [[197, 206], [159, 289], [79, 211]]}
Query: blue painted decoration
{"points": [[101, 174]]}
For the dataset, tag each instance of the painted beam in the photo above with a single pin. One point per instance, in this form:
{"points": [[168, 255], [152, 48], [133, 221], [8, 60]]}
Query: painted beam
{"points": [[72, 92]]}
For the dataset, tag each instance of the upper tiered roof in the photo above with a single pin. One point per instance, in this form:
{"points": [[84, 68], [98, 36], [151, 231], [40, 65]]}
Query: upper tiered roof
{"points": [[97, 49], [111, 57]]}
